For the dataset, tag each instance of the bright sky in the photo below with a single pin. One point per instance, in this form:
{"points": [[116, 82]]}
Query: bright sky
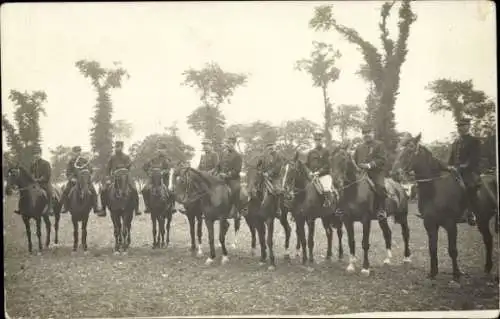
{"points": [[156, 42]]}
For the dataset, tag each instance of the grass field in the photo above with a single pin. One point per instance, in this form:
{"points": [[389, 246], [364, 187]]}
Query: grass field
{"points": [[172, 282]]}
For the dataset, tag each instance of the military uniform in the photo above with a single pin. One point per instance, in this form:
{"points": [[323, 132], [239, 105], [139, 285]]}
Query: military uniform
{"points": [[229, 169], [120, 160], [71, 175], [209, 160], [272, 164], [372, 154], [160, 161], [465, 157], [318, 161]]}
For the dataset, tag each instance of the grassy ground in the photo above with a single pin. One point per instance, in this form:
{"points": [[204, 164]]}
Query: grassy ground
{"points": [[172, 282]]}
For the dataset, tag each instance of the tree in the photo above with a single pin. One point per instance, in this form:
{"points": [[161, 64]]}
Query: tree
{"points": [[383, 72], [441, 150], [321, 67], [347, 117], [296, 135], [22, 140], [59, 159], [103, 80], [143, 151], [122, 130], [215, 87]]}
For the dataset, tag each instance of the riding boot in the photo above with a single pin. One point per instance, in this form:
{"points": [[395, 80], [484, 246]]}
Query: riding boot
{"points": [[64, 199], [380, 208], [472, 204], [328, 199], [50, 210]]}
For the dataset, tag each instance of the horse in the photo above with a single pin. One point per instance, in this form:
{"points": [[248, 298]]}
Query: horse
{"points": [[161, 201], [357, 200], [305, 203], [487, 208], [441, 202], [121, 204], [263, 207], [80, 203], [32, 203], [213, 195]]}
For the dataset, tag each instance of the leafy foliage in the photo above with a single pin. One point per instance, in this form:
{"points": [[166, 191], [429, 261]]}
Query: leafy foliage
{"points": [[59, 158], [347, 117], [321, 67], [382, 71], [215, 87], [27, 135], [122, 129], [102, 80]]}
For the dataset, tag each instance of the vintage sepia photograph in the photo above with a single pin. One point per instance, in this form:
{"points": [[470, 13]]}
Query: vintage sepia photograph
{"points": [[276, 159]]}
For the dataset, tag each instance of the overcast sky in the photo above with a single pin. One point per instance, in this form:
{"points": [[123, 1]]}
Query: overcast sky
{"points": [[156, 42]]}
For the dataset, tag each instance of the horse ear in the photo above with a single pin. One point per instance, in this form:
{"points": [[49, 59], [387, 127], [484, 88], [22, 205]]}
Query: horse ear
{"points": [[418, 137]]}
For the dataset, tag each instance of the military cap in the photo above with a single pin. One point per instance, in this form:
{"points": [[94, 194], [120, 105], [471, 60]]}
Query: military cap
{"points": [[463, 121], [318, 134], [76, 149], [366, 129], [119, 144], [37, 149]]}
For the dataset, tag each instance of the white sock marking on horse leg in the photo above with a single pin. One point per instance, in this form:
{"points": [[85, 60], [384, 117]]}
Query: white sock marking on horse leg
{"points": [[407, 260], [352, 260], [365, 272], [287, 252], [200, 250], [253, 251], [209, 261], [297, 253], [387, 259], [225, 260]]}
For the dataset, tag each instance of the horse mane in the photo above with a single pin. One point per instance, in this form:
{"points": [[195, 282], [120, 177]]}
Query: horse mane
{"points": [[431, 162], [205, 177]]}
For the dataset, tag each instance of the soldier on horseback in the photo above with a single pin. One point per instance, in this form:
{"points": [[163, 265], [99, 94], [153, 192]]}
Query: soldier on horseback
{"points": [[71, 175], [209, 159], [120, 160], [369, 156], [160, 161], [318, 161], [465, 159], [41, 171], [271, 165], [229, 169]]}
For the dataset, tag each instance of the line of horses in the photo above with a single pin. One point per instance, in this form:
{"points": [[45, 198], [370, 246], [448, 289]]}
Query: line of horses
{"points": [[206, 197]]}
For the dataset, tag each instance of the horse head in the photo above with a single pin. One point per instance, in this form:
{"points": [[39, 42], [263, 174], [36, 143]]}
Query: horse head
{"points": [[121, 180], [83, 180], [156, 177], [344, 169], [18, 177], [184, 187]]}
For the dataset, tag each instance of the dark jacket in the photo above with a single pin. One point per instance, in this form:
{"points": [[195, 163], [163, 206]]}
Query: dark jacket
{"points": [[208, 161], [40, 169], [371, 153], [231, 163], [70, 168], [466, 150], [318, 160], [271, 164], [157, 162], [118, 161]]}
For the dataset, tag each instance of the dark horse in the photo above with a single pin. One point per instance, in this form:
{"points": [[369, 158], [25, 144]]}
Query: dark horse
{"points": [[32, 203], [263, 207], [306, 204], [80, 203], [161, 203], [357, 200], [121, 204], [441, 201], [214, 200]]}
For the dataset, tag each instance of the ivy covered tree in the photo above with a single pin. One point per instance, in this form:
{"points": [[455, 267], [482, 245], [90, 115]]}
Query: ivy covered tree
{"points": [[22, 139], [382, 70], [215, 87], [59, 158], [347, 117], [103, 80], [321, 67]]}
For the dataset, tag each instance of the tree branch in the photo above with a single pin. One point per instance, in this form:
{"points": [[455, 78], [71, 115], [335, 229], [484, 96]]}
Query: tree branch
{"points": [[384, 32]]}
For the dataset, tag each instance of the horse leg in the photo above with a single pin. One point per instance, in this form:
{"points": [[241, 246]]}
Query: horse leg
{"points": [[366, 245], [153, 222], [261, 231], [297, 245], [270, 240], [251, 226], [127, 230], [237, 224], [192, 232], [26, 221], [161, 227], [84, 232], [329, 237], [288, 230], [199, 230], [75, 232], [301, 234], [405, 232], [48, 226], [223, 228], [484, 229], [451, 229], [311, 223], [349, 226], [117, 225], [57, 218], [169, 220], [39, 232], [339, 236], [211, 240], [387, 233], [432, 230]]}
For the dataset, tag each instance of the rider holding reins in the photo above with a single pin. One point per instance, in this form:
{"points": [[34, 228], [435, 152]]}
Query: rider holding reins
{"points": [[318, 161], [162, 162], [229, 169]]}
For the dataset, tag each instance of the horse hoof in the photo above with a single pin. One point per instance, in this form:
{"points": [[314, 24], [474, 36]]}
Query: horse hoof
{"points": [[387, 261], [454, 284], [199, 253], [233, 246], [253, 252], [124, 253], [271, 268], [407, 260], [86, 253], [310, 269], [225, 260], [350, 268], [297, 253], [116, 253], [38, 253], [209, 261], [365, 272]]}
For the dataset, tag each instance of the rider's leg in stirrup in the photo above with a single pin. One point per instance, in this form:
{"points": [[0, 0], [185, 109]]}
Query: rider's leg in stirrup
{"points": [[135, 193], [64, 197]]}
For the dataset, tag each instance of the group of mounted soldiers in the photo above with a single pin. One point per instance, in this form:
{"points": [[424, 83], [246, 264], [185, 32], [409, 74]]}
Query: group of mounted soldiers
{"points": [[369, 156]]}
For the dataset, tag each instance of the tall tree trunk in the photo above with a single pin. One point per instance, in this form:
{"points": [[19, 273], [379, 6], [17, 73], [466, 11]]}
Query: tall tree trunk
{"points": [[328, 118]]}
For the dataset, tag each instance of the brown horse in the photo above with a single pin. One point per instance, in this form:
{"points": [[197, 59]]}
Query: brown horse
{"points": [[214, 196], [305, 204], [441, 201], [32, 203], [357, 199]]}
